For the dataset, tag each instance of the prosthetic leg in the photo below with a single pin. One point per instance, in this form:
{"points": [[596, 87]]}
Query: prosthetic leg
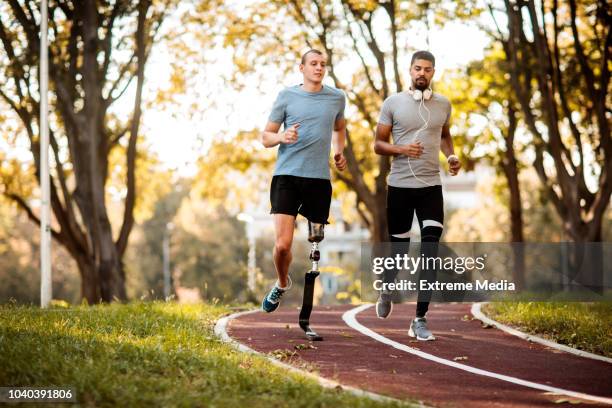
{"points": [[315, 235]]}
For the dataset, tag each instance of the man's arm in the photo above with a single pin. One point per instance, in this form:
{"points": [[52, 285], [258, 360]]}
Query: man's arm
{"points": [[338, 143], [339, 136], [270, 136], [384, 148], [446, 145]]}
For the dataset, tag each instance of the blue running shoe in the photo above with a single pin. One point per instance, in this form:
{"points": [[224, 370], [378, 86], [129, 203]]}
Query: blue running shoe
{"points": [[272, 300]]}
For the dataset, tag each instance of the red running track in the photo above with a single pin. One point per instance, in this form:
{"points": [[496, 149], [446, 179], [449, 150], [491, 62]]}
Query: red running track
{"points": [[351, 358]]}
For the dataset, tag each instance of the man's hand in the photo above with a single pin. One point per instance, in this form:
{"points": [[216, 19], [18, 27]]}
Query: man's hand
{"points": [[290, 135], [413, 150], [453, 165], [340, 161]]}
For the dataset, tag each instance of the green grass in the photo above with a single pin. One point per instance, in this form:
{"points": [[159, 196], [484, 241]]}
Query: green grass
{"points": [[148, 354], [585, 326]]}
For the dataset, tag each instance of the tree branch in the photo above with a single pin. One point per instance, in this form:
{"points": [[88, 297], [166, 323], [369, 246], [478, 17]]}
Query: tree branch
{"points": [[365, 66], [372, 45], [25, 207], [390, 9], [128, 213]]}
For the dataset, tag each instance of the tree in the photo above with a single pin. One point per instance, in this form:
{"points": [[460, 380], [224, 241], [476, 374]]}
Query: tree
{"points": [[94, 57], [559, 69], [487, 112], [480, 94]]}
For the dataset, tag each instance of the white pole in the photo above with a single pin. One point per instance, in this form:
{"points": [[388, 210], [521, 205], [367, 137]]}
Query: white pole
{"points": [[251, 265], [45, 227]]}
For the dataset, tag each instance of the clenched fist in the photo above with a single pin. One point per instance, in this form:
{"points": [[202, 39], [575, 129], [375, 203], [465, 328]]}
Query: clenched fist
{"points": [[453, 164], [413, 150], [290, 135], [340, 161]]}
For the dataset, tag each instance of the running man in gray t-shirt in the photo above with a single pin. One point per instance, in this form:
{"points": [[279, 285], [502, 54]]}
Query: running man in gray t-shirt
{"points": [[418, 122], [313, 118]]}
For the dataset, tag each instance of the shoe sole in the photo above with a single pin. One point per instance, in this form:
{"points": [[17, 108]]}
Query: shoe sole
{"points": [[387, 315], [269, 311], [411, 334]]}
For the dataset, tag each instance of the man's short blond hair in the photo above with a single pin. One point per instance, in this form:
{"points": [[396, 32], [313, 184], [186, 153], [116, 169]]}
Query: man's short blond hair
{"points": [[310, 51]]}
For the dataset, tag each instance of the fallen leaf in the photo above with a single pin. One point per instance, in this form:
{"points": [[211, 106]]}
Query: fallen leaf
{"points": [[281, 354]]}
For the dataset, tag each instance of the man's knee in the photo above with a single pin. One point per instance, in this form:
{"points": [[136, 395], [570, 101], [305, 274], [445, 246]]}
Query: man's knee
{"points": [[432, 231], [282, 247]]}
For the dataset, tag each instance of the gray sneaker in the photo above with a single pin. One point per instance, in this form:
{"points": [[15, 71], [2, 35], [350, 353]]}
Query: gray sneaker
{"points": [[384, 305], [418, 329]]}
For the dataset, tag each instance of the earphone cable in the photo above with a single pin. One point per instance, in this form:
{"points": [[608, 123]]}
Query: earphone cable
{"points": [[416, 136]]}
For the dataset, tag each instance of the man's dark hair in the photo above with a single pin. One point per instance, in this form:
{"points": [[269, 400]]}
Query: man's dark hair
{"points": [[311, 51], [424, 55]]}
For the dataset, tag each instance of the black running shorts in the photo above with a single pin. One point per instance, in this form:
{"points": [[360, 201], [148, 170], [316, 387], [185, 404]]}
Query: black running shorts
{"points": [[402, 203], [294, 195]]}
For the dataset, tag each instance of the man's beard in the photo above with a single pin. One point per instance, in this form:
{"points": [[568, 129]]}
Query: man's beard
{"points": [[421, 85]]}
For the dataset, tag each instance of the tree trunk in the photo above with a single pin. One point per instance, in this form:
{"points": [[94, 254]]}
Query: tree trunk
{"points": [[509, 166], [90, 290], [585, 260]]}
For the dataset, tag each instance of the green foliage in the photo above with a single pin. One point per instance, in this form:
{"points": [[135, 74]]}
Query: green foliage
{"points": [[586, 326], [233, 171], [481, 96], [143, 260], [147, 354]]}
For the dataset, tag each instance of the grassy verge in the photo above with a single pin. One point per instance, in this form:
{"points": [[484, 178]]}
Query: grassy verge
{"points": [[147, 354], [585, 326]]}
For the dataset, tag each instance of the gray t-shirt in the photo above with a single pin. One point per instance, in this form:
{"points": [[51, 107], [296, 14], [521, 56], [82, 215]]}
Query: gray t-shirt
{"points": [[316, 112], [402, 112]]}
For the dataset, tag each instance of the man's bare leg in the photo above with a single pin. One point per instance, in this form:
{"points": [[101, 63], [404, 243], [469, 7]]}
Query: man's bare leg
{"points": [[284, 225]]}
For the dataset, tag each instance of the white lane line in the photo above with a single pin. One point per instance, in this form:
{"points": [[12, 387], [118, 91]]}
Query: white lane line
{"points": [[477, 312], [350, 319], [221, 332]]}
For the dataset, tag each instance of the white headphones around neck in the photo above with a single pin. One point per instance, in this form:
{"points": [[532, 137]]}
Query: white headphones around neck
{"points": [[418, 95]]}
